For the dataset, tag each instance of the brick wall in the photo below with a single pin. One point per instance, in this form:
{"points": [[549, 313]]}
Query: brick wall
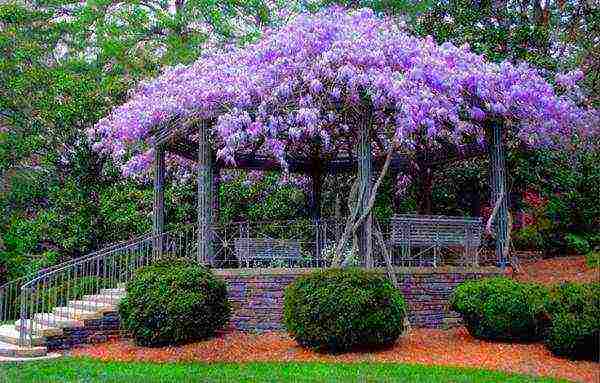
{"points": [[257, 294]]}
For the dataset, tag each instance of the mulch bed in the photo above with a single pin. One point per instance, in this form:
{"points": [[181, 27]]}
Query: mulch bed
{"points": [[453, 347], [556, 270]]}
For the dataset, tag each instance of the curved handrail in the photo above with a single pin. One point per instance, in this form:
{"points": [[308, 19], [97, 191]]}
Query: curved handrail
{"points": [[65, 263], [106, 250], [11, 290], [54, 295]]}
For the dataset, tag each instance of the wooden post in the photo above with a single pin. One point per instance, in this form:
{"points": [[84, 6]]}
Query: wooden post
{"points": [[215, 192], [205, 199], [314, 198], [365, 175], [158, 209], [314, 204], [499, 185]]}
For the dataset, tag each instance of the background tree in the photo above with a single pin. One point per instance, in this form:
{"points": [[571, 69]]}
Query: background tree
{"points": [[63, 65]]}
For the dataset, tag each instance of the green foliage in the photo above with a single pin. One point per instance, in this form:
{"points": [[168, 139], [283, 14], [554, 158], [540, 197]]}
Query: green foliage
{"points": [[529, 238], [592, 260], [126, 209], [338, 309], [574, 310], [263, 200], [569, 218], [56, 81], [578, 243], [174, 302], [501, 309]]}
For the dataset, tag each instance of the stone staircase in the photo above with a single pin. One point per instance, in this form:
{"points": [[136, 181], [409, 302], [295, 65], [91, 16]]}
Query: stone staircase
{"points": [[52, 328]]}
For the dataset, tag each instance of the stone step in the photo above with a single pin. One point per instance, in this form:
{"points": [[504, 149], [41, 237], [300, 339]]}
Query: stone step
{"points": [[52, 320], [39, 329], [118, 292], [74, 313], [108, 299], [9, 334], [9, 350], [99, 307]]}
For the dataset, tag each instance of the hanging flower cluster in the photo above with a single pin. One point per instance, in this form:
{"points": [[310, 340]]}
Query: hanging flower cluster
{"points": [[321, 77]]}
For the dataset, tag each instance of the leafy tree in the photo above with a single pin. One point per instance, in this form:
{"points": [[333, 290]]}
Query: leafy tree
{"points": [[555, 36], [63, 65]]}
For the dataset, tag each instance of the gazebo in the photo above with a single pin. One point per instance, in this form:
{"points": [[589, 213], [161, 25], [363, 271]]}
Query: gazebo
{"points": [[339, 91], [363, 162]]}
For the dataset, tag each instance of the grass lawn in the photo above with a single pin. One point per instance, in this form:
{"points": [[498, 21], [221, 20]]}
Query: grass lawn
{"points": [[71, 369]]}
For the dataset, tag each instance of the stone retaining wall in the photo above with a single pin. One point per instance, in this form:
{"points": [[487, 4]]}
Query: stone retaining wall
{"points": [[257, 299], [257, 294], [93, 331]]}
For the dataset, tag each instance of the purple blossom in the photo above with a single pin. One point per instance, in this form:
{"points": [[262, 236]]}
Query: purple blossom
{"points": [[316, 86], [477, 114], [300, 80], [569, 79]]}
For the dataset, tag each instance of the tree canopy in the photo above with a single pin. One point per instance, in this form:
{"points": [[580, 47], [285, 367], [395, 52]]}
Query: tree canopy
{"points": [[314, 80]]}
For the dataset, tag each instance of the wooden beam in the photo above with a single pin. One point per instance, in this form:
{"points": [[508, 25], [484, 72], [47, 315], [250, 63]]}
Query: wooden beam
{"points": [[400, 163], [295, 165], [205, 199], [158, 209]]}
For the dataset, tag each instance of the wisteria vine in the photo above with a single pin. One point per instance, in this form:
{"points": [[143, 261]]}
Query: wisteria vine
{"points": [[314, 81]]}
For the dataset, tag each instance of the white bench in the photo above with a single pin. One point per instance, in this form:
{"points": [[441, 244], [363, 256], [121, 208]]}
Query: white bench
{"points": [[267, 252], [436, 232]]}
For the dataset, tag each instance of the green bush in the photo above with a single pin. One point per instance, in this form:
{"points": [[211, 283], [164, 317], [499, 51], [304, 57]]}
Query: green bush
{"points": [[578, 243], [337, 309], [574, 310], [592, 260], [501, 309], [174, 302]]}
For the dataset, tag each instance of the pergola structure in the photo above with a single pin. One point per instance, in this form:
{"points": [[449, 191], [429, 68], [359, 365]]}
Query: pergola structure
{"points": [[362, 161]]}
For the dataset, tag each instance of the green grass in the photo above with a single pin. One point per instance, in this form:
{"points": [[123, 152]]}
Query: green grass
{"points": [[71, 369]]}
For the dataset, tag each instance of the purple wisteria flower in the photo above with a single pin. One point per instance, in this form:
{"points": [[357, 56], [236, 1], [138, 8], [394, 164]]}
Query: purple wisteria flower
{"points": [[316, 79]]}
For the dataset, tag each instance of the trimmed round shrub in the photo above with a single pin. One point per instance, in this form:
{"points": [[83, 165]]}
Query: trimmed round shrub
{"points": [[338, 309], [574, 330], [501, 309], [172, 303]]}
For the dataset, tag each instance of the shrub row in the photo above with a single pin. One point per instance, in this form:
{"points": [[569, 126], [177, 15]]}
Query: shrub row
{"points": [[567, 316]]}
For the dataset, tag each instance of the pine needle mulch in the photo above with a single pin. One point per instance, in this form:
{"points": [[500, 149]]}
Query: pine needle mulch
{"points": [[453, 347], [557, 270]]}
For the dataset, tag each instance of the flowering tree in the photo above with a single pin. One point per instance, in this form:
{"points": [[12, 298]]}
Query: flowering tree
{"points": [[325, 81]]}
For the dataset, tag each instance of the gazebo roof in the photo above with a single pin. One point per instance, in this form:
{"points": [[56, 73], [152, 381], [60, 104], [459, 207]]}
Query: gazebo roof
{"points": [[185, 147]]}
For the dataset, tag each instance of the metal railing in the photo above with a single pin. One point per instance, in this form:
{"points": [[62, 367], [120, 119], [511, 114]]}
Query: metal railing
{"points": [[10, 292], [75, 291]]}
